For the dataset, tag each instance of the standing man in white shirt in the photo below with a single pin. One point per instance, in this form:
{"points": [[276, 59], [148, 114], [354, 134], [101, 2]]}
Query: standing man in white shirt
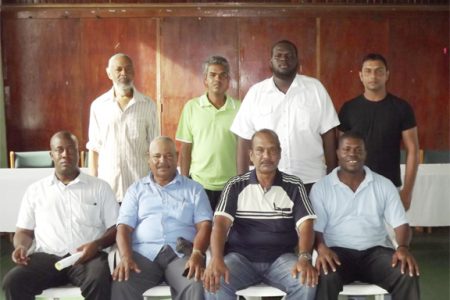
{"points": [[298, 109], [122, 124], [62, 214]]}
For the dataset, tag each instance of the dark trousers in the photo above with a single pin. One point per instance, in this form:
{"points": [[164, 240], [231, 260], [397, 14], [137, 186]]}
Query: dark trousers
{"points": [[214, 197], [167, 267], [371, 266], [24, 282]]}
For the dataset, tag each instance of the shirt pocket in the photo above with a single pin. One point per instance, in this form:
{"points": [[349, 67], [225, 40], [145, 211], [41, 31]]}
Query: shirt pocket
{"points": [[88, 214]]}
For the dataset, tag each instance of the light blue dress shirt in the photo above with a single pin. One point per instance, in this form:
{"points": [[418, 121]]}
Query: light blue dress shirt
{"points": [[356, 220], [161, 214]]}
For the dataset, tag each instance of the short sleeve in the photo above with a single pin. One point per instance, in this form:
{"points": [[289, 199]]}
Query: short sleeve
{"points": [[242, 124], [317, 197], [110, 206], [184, 132], [227, 205], [329, 117], [26, 218], [408, 117], [394, 212], [128, 213], [203, 211], [343, 118], [94, 142]]}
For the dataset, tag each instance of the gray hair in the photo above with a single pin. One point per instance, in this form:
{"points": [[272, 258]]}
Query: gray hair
{"points": [[216, 60], [117, 55]]}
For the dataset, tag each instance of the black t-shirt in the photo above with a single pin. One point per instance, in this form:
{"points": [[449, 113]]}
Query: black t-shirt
{"points": [[381, 123]]}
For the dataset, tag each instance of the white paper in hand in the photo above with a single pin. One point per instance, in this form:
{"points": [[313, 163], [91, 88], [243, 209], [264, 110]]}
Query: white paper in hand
{"points": [[68, 261]]}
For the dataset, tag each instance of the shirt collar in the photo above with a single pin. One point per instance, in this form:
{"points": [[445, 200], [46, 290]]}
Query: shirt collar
{"points": [[367, 178], [204, 102], [81, 178], [149, 179], [276, 182], [296, 83], [137, 96]]}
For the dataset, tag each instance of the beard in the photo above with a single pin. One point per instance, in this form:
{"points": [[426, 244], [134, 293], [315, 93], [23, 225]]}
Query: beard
{"points": [[285, 74], [124, 87]]}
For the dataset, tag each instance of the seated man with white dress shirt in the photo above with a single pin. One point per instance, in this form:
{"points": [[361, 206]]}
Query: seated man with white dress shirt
{"points": [[156, 211], [64, 213]]}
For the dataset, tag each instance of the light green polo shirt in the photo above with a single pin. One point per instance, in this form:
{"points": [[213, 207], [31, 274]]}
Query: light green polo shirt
{"points": [[213, 157]]}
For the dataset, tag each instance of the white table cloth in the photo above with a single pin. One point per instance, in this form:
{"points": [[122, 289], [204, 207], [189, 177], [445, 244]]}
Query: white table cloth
{"points": [[430, 204]]}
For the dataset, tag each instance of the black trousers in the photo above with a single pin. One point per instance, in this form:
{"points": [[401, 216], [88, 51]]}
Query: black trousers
{"points": [[370, 266], [214, 197], [24, 282]]}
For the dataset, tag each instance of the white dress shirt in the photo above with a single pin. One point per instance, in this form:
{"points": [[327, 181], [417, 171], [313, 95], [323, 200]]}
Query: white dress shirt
{"points": [[122, 138], [299, 117], [65, 217]]}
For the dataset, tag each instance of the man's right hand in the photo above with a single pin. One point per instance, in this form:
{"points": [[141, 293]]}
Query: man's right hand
{"points": [[19, 256], [122, 271], [214, 271], [327, 259]]}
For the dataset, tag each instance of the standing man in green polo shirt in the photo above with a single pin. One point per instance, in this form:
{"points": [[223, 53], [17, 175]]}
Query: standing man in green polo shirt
{"points": [[208, 151]]}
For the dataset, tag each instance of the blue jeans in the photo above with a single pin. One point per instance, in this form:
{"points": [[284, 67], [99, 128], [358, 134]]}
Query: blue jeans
{"points": [[244, 273]]}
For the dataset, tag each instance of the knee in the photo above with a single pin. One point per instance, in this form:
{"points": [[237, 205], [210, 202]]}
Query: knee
{"points": [[331, 278], [12, 280]]}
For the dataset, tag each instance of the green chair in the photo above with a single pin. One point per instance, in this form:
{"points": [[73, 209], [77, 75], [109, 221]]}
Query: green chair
{"points": [[436, 157], [30, 159]]}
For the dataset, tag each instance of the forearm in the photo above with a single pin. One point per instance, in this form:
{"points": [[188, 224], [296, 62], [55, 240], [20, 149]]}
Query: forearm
{"points": [[218, 238], [403, 235], [412, 164], [306, 236], [185, 158], [329, 149], [123, 240], [242, 155], [23, 238], [411, 143], [107, 239], [201, 241], [93, 162]]}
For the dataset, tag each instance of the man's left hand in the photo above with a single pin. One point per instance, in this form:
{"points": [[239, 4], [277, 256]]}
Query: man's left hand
{"points": [[90, 251], [308, 274], [403, 255], [196, 265]]}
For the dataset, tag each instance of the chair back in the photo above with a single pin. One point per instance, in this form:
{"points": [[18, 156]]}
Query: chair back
{"points": [[30, 159], [436, 157]]}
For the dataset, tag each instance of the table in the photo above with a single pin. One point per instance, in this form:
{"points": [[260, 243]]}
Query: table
{"points": [[430, 204], [13, 183]]}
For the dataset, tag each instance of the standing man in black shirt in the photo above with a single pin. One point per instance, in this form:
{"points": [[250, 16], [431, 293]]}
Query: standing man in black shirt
{"points": [[384, 120]]}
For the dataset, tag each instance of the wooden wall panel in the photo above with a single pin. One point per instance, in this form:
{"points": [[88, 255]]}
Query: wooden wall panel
{"points": [[256, 38], [42, 74], [419, 63], [54, 59], [185, 44], [102, 38], [343, 43]]}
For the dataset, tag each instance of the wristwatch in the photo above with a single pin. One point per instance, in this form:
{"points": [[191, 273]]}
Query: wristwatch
{"points": [[305, 255]]}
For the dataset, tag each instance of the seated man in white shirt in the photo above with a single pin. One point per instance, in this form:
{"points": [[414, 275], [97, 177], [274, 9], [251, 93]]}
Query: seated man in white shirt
{"points": [[64, 213], [352, 204]]}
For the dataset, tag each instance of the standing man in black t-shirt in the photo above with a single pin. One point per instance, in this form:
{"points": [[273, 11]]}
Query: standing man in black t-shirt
{"points": [[384, 120]]}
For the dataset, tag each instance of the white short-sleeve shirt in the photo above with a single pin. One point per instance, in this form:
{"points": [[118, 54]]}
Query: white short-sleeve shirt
{"points": [[299, 117], [356, 220], [64, 217], [122, 138]]}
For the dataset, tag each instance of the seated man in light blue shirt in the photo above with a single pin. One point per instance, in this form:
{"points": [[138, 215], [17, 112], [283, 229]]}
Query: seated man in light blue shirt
{"points": [[352, 205], [156, 210]]}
